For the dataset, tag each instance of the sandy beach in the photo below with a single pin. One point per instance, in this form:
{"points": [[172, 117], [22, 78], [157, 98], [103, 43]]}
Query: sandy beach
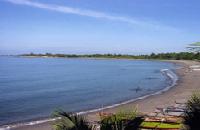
{"points": [[188, 83]]}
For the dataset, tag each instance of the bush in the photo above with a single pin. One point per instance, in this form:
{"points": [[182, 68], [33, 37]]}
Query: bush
{"points": [[121, 121], [192, 113]]}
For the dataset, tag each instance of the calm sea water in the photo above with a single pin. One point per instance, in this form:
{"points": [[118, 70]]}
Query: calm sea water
{"points": [[31, 88]]}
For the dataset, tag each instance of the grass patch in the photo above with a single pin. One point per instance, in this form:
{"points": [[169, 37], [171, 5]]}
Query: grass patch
{"points": [[160, 125]]}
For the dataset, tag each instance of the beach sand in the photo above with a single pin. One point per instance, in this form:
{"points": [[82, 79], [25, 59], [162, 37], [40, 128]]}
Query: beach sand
{"points": [[189, 81]]}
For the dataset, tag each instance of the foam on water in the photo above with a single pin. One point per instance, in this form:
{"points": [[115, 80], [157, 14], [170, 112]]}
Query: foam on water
{"points": [[169, 73]]}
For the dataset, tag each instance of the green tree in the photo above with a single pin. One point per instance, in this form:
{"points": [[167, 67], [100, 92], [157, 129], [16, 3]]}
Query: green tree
{"points": [[192, 113], [69, 121]]}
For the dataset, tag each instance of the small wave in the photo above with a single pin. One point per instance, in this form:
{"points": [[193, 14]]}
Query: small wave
{"points": [[8, 127], [173, 77], [169, 73]]}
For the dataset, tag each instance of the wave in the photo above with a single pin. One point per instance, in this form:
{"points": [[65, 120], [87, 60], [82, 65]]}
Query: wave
{"points": [[7, 127], [167, 72]]}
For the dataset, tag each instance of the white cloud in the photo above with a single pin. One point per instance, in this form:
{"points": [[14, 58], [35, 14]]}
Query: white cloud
{"points": [[91, 13]]}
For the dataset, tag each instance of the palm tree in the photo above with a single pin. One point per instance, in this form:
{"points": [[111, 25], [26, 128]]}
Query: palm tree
{"points": [[192, 113], [69, 121], [121, 121]]}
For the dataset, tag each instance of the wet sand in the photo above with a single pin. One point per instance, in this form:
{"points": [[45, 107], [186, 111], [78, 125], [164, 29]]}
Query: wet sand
{"points": [[189, 81]]}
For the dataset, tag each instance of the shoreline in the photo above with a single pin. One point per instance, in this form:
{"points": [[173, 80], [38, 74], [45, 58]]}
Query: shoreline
{"points": [[167, 72], [188, 80], [136, 102]]}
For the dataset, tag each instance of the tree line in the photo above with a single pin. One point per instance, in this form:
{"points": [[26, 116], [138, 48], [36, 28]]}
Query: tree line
{"points": [[158, 56]]}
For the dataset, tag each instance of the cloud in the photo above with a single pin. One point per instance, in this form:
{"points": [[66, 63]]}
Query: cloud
{"points": [[91, 13]]}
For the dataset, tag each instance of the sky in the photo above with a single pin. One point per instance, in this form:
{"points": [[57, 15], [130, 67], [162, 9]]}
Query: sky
{"points": [[98, 26]]}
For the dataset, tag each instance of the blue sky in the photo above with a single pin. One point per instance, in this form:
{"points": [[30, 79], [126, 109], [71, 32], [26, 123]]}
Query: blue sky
{"points": [[98, 26]]}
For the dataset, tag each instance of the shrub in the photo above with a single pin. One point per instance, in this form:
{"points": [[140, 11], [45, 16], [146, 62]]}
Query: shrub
{"points": [[192, 113]]}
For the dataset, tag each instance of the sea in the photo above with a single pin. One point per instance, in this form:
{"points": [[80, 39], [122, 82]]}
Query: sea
{"points": [[31, 89]]}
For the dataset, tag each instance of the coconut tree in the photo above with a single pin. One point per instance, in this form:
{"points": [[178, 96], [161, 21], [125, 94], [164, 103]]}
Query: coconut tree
{"points": [[192, 113], [69, 121]]}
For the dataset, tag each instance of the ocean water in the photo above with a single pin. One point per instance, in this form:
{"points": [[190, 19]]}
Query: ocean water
{"points": [[32, 88]]}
